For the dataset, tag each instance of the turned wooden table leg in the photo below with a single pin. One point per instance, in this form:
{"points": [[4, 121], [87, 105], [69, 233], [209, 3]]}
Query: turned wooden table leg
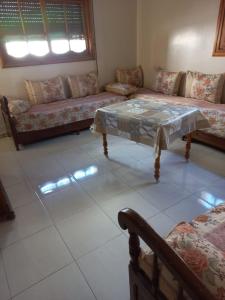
{"points": [[105, 144], [157, 166], [188, 147]]}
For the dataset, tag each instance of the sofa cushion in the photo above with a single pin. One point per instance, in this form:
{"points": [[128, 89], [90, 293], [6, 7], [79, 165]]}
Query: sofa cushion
{"points": [[45, 91], [83, 85], [167, 82], [201, 256], [18, 106], [123, 89], [44, 116], [207, 87], [130, 76]]}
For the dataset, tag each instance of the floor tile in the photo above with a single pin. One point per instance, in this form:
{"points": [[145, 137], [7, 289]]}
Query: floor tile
{"points": [[32, 259], [21, 194], [30, 219], [128, 199], [66, 284], [103, 187], [4, 290], [65, 202], [86, 231], [163, 195], [187, 209], [106, 270], [162, 224], [213, 194]]}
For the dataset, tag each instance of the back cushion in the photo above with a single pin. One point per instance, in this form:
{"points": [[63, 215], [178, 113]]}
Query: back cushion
{"points": [[45, 91], [207, 87], [83, 85], [130, 76], [167, 82]]}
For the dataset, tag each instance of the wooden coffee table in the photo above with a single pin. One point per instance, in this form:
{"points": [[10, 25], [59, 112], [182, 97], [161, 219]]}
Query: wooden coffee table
{"points": [[149, 122]]}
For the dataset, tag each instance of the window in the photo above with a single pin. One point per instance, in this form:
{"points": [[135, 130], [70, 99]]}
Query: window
{"points": [[35, 32], [219, 47]]}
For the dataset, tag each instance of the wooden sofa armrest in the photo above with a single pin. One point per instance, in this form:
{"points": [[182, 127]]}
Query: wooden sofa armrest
{"points": [[9, 121], [187, 280]]}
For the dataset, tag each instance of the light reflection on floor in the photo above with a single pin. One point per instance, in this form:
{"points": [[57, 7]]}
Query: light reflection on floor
{"points": [[51, 186]]}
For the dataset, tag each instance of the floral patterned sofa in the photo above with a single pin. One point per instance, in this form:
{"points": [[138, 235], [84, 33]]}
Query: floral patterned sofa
{"points": [[205, 91], [51, 112], [188, 264]]}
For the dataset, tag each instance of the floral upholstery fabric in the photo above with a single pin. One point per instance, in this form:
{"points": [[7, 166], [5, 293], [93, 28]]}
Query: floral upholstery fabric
{"points": [[123, 89], [167, 82], [199, 252], [18, 106], [45, 91], [63, 112], [130, 76], [83, 85], [206, 87], [215, 113]]}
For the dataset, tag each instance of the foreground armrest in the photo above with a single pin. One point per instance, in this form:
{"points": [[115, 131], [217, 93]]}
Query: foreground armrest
{"points": [[138, 227]]}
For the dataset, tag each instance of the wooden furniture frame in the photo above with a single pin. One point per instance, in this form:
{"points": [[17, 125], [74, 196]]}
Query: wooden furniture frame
{"points": [[29, 137], [157, 160], [6, 212], [209, 139], [141, 287], [219, 45]]}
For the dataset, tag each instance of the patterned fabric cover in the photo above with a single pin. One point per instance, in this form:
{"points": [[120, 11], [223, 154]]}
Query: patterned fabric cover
{"points": [[215, 113], [63, 112], [206, 87], [83, 85], [18, 106], [45, 91], [202, 247], [123, 89], [149, 122], [130, 76], [167, 82]]}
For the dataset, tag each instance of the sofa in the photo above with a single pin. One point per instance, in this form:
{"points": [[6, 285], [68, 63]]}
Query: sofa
{"points": [[188, 264], [51, 111], [205, 91]]}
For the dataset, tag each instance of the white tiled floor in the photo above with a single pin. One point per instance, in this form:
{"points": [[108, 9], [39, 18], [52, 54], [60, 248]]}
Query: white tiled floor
{"points": [[66, 242]]}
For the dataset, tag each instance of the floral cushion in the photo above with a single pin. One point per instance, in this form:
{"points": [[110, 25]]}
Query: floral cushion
{"points": [[123, 89], [44, 116], [18, 106], [207, 87], [45, 91], [201, 246], [83, 85], [130, 76], [167, 82]]}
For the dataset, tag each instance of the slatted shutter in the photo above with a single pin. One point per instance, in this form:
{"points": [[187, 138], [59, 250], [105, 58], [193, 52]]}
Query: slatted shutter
{"points": [[47, 20]]}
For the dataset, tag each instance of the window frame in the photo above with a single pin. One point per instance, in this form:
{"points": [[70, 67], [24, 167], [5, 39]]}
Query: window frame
{"points": [[8, 61], [218, 51]]}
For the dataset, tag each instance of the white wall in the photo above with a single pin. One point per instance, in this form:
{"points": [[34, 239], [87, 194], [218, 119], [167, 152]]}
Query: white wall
{"points": [[115, 30], [178, 35]]}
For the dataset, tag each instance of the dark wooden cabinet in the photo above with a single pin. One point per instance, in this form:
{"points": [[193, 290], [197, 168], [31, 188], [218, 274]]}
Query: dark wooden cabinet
{"points": [[6, 212], [219, 47]]}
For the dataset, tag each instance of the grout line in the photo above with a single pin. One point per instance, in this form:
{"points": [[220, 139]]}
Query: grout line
{"points": [[39, 281]]}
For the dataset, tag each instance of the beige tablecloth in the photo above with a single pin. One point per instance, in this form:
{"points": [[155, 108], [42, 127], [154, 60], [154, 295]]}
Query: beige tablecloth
{"points": [[149, 122]]}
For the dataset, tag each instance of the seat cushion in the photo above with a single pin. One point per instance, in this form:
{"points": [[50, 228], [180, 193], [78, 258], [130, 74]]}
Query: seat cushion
{"points": [[215, 113], [204, 258], [44, 116], [123, 89]]}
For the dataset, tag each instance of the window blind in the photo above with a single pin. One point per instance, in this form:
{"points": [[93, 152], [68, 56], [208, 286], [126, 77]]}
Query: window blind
{"points": [[32, 18]]}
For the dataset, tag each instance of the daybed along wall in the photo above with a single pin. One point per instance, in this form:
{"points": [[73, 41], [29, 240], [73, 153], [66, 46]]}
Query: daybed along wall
{"points": [[115, 43]]}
